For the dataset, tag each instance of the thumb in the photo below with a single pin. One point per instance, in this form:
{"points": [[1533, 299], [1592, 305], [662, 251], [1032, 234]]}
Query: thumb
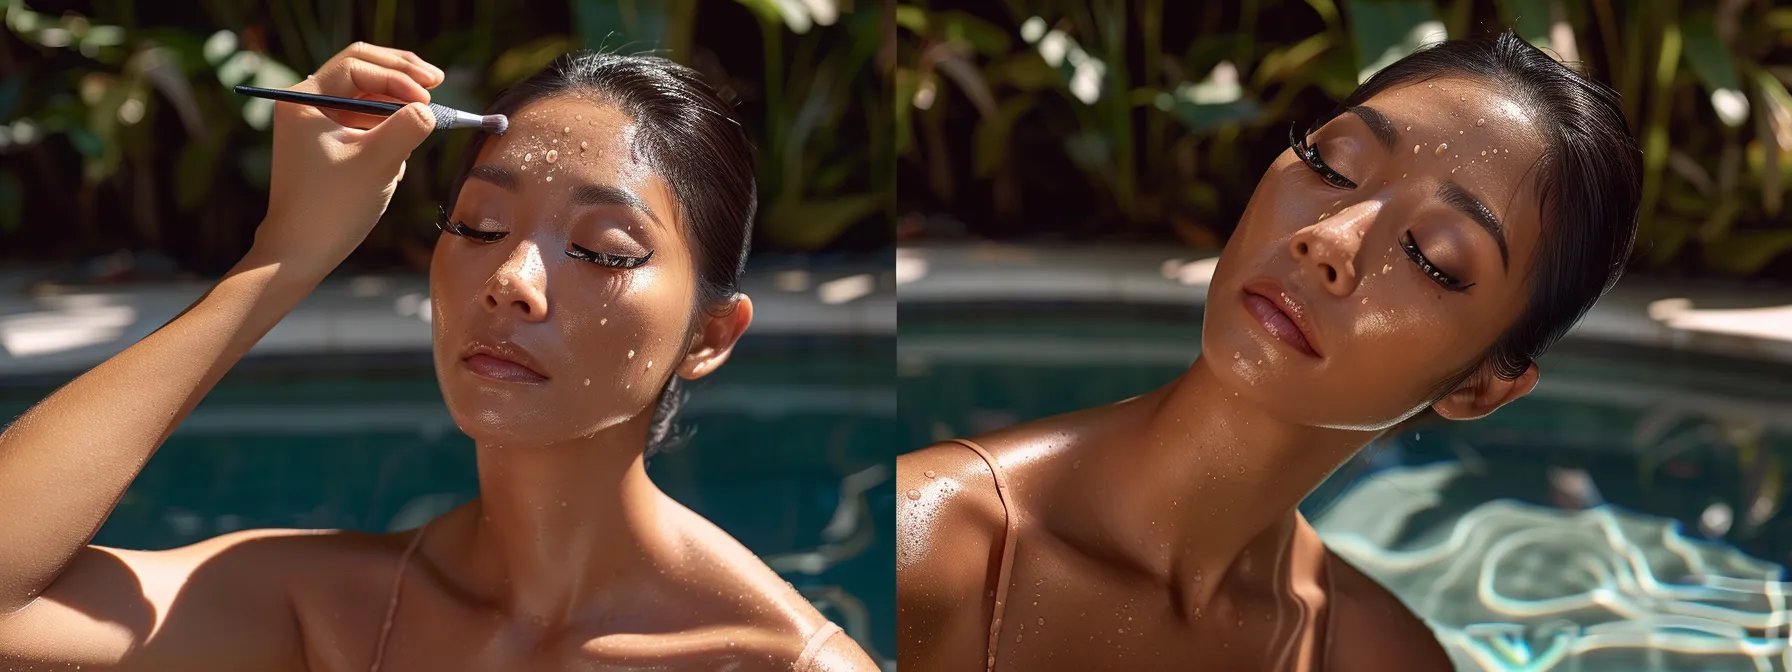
{"points": [[402, 132]]}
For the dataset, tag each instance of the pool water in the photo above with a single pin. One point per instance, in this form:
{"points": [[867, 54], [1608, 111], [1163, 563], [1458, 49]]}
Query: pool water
{"points": [[1627, 515], [790, 453]]}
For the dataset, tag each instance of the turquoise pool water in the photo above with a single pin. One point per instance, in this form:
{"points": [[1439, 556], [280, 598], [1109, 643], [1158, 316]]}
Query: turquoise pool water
{"points": [[791, 454], [1628, 515]]}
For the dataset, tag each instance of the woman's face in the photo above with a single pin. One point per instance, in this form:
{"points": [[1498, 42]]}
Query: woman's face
{"points": [[572, 320], [1401, 267]]}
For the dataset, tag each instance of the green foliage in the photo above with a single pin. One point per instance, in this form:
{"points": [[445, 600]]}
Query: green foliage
{"points": [[1170, 135], [119, 129]]}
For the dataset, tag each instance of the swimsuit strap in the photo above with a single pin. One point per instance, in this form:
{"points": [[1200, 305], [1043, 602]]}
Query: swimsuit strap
{"points": [[1330, 613], [812, 649], [1009, 537], [379, 651]]}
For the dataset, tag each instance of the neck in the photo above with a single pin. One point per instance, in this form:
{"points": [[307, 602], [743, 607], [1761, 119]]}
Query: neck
{"points": [[1214, 481], [557, 524]]}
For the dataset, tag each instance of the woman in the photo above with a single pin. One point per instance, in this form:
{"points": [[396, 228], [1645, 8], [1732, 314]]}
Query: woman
{"points": [[1413, 254], [590, 260]]}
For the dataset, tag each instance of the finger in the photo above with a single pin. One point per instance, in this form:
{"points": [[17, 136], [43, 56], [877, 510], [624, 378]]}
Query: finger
{"points": [[355, 78], [400, 133], [419, 70], [352, 119]]}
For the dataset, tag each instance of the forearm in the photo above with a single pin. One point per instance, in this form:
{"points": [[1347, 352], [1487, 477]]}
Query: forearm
{"points": [[65, 463]]}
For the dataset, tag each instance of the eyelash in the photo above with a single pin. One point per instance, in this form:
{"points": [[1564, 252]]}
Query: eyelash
{"points": [[605, 259], [1411, 246], [1310, 155]]}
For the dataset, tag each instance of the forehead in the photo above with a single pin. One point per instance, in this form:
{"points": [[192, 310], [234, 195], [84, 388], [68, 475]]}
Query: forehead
{"points": [[569, 139], [559, 144], [1469, 132]]}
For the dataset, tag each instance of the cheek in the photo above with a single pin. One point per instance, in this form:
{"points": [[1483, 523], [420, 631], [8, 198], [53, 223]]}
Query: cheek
{"points": [[630, 328]]}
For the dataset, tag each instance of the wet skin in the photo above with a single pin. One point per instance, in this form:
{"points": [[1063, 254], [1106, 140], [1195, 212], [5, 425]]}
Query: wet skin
{"points": [[571, 559], [1161, 532]]}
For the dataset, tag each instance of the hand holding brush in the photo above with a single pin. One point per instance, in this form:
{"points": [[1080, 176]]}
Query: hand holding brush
{"points": [[338, 156]]}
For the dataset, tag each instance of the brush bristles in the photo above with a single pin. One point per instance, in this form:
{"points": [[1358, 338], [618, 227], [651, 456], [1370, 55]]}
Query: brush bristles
{"points": [[496, 123]]}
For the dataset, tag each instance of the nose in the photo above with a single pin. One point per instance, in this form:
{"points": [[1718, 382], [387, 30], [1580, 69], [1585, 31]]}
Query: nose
{"points": [[1327, 250], [519, 285]]}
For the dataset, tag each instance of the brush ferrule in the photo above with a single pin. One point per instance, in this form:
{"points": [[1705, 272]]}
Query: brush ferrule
{"points": [[448, 117]]}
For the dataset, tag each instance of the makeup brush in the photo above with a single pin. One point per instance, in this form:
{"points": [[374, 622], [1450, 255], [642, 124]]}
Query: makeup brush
{"points": [[446, 117]]}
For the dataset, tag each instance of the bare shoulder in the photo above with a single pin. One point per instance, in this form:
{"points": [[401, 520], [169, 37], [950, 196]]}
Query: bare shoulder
{"points": [[1373, 630], [749, 612], [222, 603]]}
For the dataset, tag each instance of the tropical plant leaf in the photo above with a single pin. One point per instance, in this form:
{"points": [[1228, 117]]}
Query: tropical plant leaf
{"points": [[809, 225], [993, 133], [1746, 252], [1711, 62], [1384, 31]]}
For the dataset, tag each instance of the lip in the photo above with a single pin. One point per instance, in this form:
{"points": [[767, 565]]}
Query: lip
{"points": [[1291, 307], [502, 361]]}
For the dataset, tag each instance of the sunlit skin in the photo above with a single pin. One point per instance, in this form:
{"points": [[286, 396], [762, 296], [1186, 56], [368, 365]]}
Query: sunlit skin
{"points": [[1161, 532], [570, 558]]}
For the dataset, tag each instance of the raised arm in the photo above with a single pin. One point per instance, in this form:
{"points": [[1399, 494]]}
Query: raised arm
{"points": [[65, 463]]}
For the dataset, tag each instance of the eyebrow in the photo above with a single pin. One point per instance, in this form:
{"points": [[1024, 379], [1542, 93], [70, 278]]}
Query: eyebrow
{"points": [[1379, 124], [583, 195], [1459, 198]]}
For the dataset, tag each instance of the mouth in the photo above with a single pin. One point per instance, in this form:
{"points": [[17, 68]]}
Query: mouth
{"points": [[1280, 314], [502, 361]]}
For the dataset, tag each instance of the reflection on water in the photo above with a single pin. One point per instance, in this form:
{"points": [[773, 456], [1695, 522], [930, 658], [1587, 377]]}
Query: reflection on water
{"points": [[1514, 586]]}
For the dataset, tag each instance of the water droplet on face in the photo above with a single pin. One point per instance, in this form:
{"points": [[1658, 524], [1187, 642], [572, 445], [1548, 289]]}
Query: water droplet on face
{"points": [[649, 363], [931, 474], [587, 381], [1042, 620], [631, 354], [504, 282], [1409, 128], [1403, 176], [1480, 122], [1462, 132], [568, 129], [1463, 99], [1415, 149], [1483, 152], [528, 156], [1430, 85], [553, 155], [550, 178], [1440, 149], [914, 494], [583, 145]]}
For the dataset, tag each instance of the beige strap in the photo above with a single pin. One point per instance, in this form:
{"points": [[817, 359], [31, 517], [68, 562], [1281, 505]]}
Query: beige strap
{"points": [[813, 648], [1009, 537], [379, 651]]}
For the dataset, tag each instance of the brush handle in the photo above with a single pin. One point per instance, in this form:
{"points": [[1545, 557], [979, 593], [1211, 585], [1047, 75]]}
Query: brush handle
{"points": [[446, 117], [373, 107]]}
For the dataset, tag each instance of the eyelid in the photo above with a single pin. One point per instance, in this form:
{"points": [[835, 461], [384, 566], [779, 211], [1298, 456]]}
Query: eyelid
{"points": [[607, 259], [448, 225], [1309, 155], [1410, 245]]}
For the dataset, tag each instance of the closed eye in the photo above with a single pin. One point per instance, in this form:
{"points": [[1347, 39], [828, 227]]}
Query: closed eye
{"points": [[1310, 155], [448, 225], [1449, 282], [618, 261]]}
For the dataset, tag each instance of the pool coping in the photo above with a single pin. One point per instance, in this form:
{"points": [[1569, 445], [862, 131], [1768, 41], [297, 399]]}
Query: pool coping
{"points": [[1707, 318], [61, 329]]}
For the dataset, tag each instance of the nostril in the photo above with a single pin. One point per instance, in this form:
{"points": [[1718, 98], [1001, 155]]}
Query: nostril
{"points": [[1331, 274], [490, 301], [1300, 248], [524, 306]]}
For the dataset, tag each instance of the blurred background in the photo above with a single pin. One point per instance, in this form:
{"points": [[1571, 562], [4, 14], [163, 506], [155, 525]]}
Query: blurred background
{"points": [[1068, 172], [130, 177]]}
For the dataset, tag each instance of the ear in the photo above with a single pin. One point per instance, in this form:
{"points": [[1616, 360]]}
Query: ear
{"points": [[715, 338], [1485, 393]]}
